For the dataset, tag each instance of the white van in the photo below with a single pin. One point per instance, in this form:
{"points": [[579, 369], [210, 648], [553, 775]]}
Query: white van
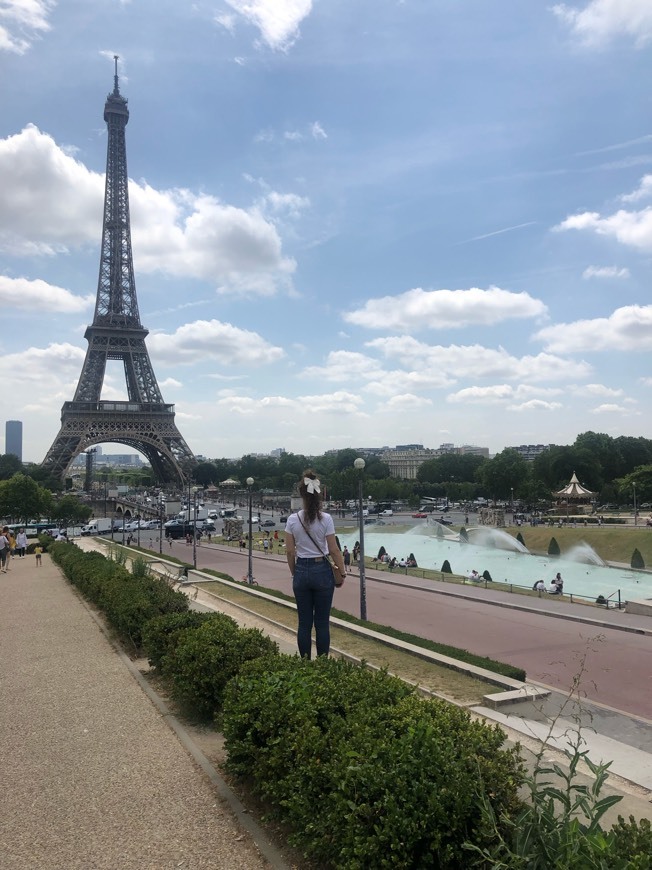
{"points": [[388, 512]]}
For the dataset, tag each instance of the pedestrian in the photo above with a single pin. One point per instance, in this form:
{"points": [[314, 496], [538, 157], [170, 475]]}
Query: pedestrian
{"points": [[266, 546], [38, 550], [21, 543], [347, 559], [309, 540], [4, 549]]}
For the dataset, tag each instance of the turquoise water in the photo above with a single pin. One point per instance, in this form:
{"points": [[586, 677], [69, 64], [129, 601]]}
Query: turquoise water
{"points": [[521, 569]]}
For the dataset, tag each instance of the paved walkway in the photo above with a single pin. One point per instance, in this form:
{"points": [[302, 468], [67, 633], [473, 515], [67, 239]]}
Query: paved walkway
{"points": [[92, 774]]}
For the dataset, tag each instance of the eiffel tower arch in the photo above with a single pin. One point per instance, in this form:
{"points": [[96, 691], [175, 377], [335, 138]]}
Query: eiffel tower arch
{"points": [[143, 421]]}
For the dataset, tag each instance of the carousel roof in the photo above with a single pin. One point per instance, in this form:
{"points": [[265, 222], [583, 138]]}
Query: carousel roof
{"points": [[230, 482], [575, 489]]}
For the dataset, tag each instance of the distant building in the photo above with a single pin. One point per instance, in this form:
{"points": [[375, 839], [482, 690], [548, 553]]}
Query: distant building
{"points": [[404, 460], [531, 451], [14, 438]]}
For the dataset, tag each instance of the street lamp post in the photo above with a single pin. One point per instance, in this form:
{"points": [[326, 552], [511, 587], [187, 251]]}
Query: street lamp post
{"points": [[160, 522], [635, 514], [194, 526], [250, 572], [359, 465]]}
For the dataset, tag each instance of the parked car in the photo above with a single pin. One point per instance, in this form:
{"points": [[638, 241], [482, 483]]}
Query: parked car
{"points": [[419, 515], [268, 523], [370, 521], [388, 512], [283, 519], [445, 522]]}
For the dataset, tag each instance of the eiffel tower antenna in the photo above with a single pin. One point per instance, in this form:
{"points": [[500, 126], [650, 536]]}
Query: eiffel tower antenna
{"points": [[143, 421]]}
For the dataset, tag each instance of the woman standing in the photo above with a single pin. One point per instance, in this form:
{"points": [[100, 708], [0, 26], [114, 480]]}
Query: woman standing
{"points": [[309, 539]]}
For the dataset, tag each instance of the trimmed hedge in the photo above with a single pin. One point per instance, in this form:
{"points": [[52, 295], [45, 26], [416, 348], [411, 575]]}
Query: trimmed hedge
{"points": [[161, 634], [205, 658], [365, 773], [127, 602]]}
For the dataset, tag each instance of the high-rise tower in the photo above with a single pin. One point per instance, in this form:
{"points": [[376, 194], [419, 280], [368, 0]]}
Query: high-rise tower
{"points": [[14, 438], [143, 421]]}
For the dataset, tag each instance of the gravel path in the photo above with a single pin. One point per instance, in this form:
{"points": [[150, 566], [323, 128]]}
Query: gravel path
{"points": [[92, 776]]}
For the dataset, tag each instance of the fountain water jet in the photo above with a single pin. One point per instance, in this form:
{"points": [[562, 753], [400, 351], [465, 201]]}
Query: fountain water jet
{"points": [[483, 536], [584, 553]]}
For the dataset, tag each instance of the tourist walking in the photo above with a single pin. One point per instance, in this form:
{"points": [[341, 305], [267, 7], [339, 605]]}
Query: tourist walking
{"points": [[309, 540], [21, 543], [346, 555]]}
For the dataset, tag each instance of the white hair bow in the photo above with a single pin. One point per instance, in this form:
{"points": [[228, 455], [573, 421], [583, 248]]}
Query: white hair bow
{"points": [[311, 485]]}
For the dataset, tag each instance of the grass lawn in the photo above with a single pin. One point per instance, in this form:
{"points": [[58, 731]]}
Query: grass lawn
{"points": [[611, 543]]}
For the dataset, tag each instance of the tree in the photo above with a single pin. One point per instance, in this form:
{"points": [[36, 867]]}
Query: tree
{"points": [[23, 499], [9, 465], [605, 450], [642, 478], [205, 473], [69, 511], [507, 471]]}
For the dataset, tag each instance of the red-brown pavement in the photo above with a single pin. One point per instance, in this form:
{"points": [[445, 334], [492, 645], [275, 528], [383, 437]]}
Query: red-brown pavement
{"points": [[618, 665]]}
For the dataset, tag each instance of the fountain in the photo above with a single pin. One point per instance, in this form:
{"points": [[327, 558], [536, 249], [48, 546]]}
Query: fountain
{"points": [[584, 573]]}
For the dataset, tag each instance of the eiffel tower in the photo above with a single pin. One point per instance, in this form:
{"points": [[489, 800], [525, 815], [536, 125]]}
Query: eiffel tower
{"points": [[143, 421]]}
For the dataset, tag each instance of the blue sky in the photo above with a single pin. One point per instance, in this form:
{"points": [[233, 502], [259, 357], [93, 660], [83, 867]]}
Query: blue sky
{"points": [[354, 222]]}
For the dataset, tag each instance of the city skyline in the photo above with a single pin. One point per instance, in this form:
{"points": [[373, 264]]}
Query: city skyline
{"points": [[426, 221]]}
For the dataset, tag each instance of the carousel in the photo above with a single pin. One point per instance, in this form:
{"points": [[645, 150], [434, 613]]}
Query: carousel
{"points": [[575, 496]]}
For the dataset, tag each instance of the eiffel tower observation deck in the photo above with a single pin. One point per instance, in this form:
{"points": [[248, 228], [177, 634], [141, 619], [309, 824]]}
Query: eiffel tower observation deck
{"points": [[143, 420]]}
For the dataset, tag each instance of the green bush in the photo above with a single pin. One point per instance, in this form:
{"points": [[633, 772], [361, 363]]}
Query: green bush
{"points": [[487, 576], [161, 634], [364, 772], [446, 567], [632, 842], [637, 559], [519, 538], [127, 602], [553, 547], [464, 536], [207, 657]]}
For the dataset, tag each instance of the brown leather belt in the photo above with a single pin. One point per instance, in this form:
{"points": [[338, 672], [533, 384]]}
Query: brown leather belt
{"points": [[310, 558]]}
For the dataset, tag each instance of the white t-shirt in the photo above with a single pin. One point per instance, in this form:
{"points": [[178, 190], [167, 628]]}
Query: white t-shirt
{"points": [[318, 529]]}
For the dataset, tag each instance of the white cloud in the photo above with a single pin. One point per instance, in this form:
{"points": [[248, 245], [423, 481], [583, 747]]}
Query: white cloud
{"points": [[405, 402], [466, 361], [51, 203], [445, 309], [602, 20], [597, 390], [339, 402], [643, 191], [535, 405], [49, 374], [605, 272], [22, 21], [627, 329], [212, 340], [501, 394], [317, 131], [615, 409], [345, 365], [633, 228], [37, 295], [277, 20]]}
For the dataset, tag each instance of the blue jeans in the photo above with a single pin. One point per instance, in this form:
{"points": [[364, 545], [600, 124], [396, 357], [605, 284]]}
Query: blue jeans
{"points": [[313, 588]]}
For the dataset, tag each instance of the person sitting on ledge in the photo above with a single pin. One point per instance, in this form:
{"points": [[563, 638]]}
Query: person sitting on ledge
{"points": [[539, 586], [474, 577]]}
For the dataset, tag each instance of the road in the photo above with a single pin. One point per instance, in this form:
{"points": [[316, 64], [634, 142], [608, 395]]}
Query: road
{"points": [[617, 670]]}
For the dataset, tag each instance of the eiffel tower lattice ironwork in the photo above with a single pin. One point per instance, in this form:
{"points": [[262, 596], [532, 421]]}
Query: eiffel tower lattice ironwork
{"points": [[143, 421]]}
